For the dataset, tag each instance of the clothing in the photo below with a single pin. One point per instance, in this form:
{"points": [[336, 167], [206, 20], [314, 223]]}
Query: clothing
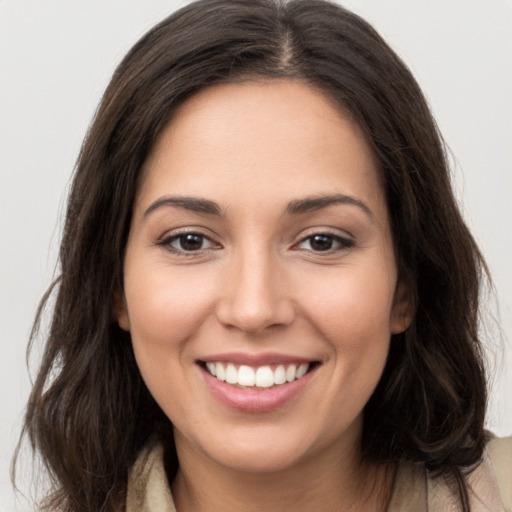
{"points": [[414, 491]]}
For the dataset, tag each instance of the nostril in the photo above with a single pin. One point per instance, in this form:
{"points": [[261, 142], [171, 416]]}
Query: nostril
{"points": [[253, 317]]}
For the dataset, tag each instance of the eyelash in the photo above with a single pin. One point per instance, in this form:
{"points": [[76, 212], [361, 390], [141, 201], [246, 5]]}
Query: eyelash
{"points": [[341, 242], [167, 243]]}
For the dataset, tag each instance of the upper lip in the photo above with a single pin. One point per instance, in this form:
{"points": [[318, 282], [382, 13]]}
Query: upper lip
{"points": [[256, 359]]}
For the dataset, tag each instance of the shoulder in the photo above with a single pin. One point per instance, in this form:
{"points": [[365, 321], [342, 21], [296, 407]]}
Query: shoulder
{"points": [[499, 451], [148, 489], [410, 489], [490, 485]]}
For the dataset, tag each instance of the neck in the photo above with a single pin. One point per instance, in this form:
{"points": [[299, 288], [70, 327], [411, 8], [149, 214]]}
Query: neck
{"points": [[330, 482]]}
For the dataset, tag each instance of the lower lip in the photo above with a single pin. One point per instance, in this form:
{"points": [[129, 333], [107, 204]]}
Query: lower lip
{"points": [[256, 400]]}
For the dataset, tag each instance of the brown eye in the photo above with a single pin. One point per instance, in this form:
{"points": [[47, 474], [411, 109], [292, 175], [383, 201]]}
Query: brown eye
{"points": [[321, 242], [325, 242], [187, 243], [190, 242]]}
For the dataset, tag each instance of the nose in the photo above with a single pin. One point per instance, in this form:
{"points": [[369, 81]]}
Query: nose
{"points": [[256, 295]]}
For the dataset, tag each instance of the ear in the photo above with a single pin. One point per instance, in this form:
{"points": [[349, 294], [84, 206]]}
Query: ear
{"points": [[403, 310], [120, 311]]}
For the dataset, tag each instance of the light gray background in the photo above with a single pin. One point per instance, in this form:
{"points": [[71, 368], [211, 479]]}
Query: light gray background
{"points": [[56, 57]]}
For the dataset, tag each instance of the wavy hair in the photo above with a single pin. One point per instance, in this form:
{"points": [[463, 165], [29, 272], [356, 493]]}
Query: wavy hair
{"points": [[90, 413]]}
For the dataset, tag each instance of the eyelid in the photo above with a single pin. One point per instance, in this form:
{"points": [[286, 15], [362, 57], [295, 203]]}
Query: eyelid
{"points": [[345, 241], [169, 237]]}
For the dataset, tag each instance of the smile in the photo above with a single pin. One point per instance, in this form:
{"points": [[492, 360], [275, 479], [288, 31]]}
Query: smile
{"points": [[257, 377], [257, 384]]}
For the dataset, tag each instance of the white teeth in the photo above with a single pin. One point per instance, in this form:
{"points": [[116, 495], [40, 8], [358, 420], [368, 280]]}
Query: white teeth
{"points": [[290, 373], [301, 371], [261, 377], [231, 374], [211, 368], [219, 371], [280, 375], [264, 377], [246, 376]]}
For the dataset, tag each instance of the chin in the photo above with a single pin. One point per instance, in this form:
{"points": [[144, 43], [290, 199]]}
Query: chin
{"points": [[264, 448], [257, 459]]}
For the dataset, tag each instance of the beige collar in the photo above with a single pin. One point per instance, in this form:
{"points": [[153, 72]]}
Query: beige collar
{"points": [[416, 491], [148, 489]]}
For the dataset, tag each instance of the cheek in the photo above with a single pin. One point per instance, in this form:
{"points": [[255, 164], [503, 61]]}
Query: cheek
{"points": [[352, 315], [351, 305], [165, 311], [349, 312], [358, 332], [165, 306]]}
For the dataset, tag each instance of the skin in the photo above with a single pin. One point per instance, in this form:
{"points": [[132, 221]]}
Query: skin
{"points": [[257, 284]]}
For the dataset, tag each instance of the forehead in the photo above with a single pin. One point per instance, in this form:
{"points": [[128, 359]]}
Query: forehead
{"points": [[260, 140]]}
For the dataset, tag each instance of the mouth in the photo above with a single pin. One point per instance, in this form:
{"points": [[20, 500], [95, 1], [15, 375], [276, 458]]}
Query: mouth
{"points": [[257, 383], [267, 376]]}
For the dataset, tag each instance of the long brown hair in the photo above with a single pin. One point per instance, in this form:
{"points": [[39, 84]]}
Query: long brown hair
{"points": [[90, 413]]}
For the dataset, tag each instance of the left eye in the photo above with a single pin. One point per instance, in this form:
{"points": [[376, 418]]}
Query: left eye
{"points": [[188, 242], [324, 242]]}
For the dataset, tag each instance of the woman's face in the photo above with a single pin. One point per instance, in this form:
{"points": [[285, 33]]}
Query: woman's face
{"points": [[260, 253]]}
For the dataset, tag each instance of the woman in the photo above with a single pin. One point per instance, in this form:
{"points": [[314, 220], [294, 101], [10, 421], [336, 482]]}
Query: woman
{"points": [[268, 298]]}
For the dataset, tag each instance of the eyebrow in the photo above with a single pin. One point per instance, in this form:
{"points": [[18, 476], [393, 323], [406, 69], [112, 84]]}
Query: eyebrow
{"points": [[295, 207], [194, 204], [311, 204]]}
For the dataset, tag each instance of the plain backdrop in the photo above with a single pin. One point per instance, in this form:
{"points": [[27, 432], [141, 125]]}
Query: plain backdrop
{"points": [[56, 58]]}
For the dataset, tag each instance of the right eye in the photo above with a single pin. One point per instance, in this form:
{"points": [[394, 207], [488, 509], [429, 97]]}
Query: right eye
{"points": [[187, 243]]}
